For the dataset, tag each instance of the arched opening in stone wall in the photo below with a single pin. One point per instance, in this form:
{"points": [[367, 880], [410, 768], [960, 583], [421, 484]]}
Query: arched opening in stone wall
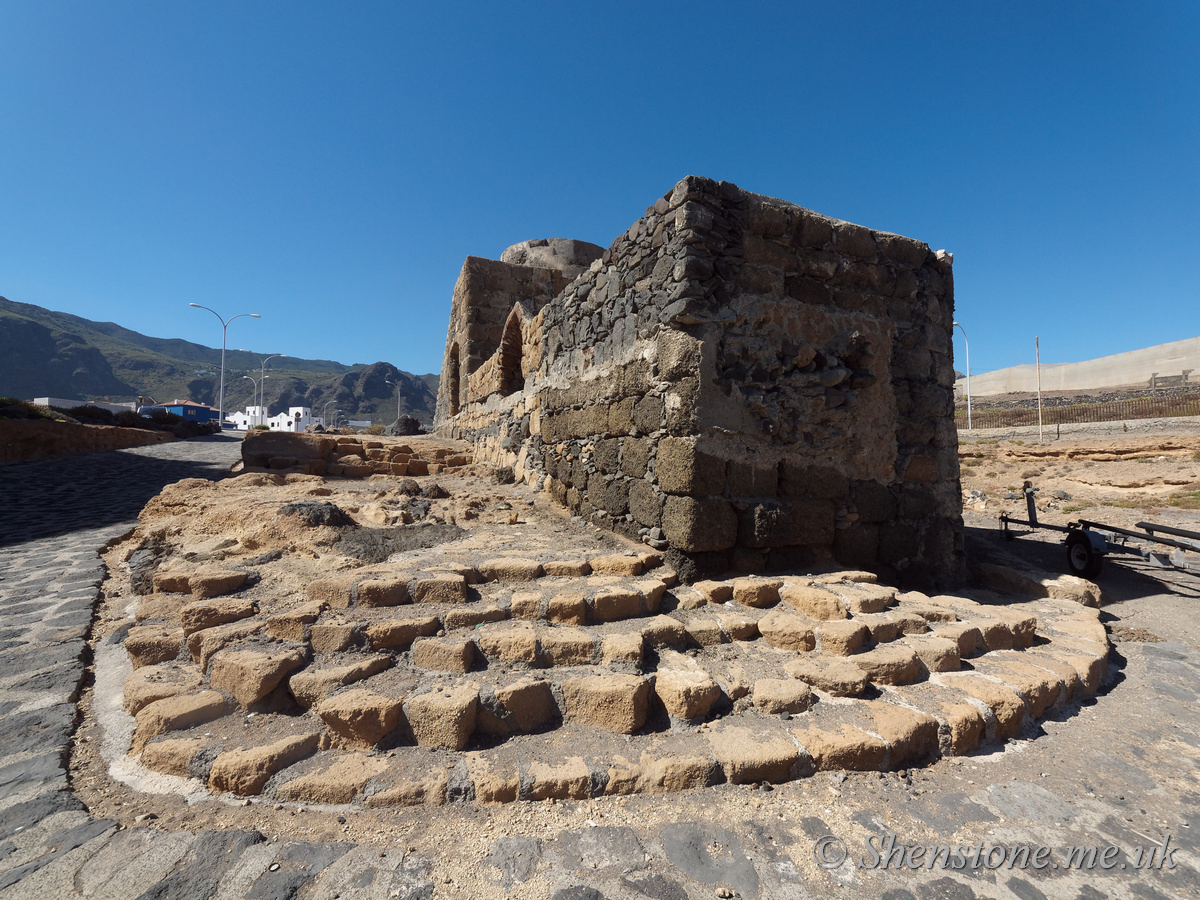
{"points": [[512, 379], [452, 389]]}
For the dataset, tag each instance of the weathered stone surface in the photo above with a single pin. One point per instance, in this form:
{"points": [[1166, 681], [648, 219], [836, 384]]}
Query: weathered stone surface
{"points": [[616, 565], [615, 604], [311, 687], [847, 747], [889, 664], [788, 631], [524, 706], [714, 591], [334, 635], [686, 693], [840, 677], [511, 569], [447, 588], [567, 609], [515, 643], [245, 772], [290, 624], [699, 525], [911, 736], [566, 646], [526, 605], [172, 756], [865, 598], [203, 644], [966, 636], [748, 756], [250, 675], [614, 702], [208, 613], [206, 584], [1005, 703], [148, 645], [400, 633], [756, 592], [359, 718], [340, 781], [334, 593], [663, 631], [571, 780], [444, 718], [841, 637], [177, 713], [814, 602], [150, 683], [936, 654], [444, 654], [622, 648], [778, 695], [378, 592]]}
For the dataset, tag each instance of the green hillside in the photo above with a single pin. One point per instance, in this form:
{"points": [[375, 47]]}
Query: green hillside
{"points": [[46, 353]]}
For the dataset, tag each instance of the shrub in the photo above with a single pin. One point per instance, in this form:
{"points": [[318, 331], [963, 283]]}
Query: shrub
{"points": [[92, 415], [261, 427], [129, 419], [375, 429]]}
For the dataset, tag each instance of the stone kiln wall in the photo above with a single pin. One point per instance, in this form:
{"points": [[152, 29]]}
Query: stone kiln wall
{"points": [[741, 380]]}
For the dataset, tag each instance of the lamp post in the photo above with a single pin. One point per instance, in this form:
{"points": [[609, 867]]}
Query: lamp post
{"points": [[224, 328], [397, 384], [967, 346], [325, 421], [256, 384], [262, 371]]}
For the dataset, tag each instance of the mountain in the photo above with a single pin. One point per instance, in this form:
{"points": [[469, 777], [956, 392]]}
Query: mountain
{"points": [[53, 354]]}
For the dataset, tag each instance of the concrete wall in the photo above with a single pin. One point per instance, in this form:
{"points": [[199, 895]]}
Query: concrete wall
{"points": [[742, 381], [1166, 361]]}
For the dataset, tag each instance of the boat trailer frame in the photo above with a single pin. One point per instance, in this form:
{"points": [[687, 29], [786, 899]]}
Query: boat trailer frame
{"points": [[1089, 542]]}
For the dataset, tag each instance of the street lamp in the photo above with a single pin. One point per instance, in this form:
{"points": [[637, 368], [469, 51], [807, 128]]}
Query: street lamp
{"points": [[262, 371], [224, 327], [967, 346], [257, 391], [397, 384], [325, 410]]}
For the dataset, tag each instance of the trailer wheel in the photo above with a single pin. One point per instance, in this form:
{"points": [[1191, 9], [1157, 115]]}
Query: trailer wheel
{"points": [[1083, 559]]}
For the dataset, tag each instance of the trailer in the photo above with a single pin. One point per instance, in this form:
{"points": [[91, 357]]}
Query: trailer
{"points": [[1089, 542]]}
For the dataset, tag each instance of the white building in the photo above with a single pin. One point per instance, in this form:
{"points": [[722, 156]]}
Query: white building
{"points": [[297, 418]]}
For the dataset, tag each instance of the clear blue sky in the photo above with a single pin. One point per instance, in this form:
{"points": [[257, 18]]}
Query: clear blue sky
{"points": [[330, 165]]}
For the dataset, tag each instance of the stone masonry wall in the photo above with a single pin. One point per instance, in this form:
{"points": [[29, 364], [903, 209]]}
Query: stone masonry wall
{"points": [[744, 382]]}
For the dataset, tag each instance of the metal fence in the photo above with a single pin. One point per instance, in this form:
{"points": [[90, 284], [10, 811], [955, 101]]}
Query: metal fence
{"points": [[1112, 411]]}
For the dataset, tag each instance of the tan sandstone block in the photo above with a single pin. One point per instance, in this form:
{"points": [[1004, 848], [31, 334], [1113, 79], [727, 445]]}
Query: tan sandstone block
{"points": [[339, 782], [310, 688], [965, 726], [1039, 687], [755, 592], [567, 609], [714, 591], [159, 606], [245, 772], [911, 735], [150, 683], [968, 637], [788, 631], [834, 675], [526, 605], [739, 628], [847, 748], [570, 780], [705, 632], [748, 756], [527, 705], [652, 591], [289, 625], [473, 614], [509, 569], [778, 695], [814, 602], [177, 713], [203, 644], [444, 654], [882, 626], [613, 702], [360, 718], [616, 604], [333, 592], [431, 790], [686, 693], [568, 568], [865, 598], [148, 645], [172, 757], [1091, 667], [664, 631], [617, 565], [516, 643], [937, 654], [379, 592], [493, 782], [250, 675], [171, 582], [205, 585], [842, 637], [889, 664], [1005, 703], [622, 648], [209, 613], [334, 636], [567, 646], [448, 588], [668, 774], [444, 718], [400, 633], [1072, 684]]}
